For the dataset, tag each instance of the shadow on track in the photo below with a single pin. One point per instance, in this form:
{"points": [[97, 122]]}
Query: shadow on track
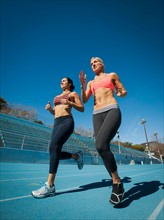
{"points": [[139, 190], [103, 183]]}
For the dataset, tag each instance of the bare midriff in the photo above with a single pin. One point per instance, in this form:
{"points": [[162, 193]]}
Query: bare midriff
{"points": [[62, 110], [103, 97]]}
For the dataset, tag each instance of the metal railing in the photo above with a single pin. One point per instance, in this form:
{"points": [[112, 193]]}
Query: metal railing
{"points": [[14, 140]]}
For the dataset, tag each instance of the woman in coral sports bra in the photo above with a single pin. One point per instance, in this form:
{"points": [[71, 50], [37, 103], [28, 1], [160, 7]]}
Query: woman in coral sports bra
{"points": [[63, 128], [106, 117]]}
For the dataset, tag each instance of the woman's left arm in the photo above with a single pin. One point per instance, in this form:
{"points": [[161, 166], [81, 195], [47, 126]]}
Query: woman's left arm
{"points": [[120, 90], [76, 103]]}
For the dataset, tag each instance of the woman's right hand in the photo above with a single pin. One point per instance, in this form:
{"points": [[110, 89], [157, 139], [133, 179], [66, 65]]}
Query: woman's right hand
{"points": [[48, 106], [82, 78]]}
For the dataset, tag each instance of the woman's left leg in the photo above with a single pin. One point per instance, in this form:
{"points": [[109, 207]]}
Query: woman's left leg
{"points": [[106, 125]]}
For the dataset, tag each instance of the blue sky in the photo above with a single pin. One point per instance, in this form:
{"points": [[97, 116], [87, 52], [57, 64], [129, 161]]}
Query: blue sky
{"points": [[44, 41]]}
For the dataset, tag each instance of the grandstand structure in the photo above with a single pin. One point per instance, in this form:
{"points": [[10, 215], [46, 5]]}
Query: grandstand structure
{"points": [[25, 141]]}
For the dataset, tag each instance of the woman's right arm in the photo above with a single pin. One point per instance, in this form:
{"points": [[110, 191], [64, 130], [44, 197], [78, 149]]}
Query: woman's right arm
{"points": [[50, 109], [85, 93]]}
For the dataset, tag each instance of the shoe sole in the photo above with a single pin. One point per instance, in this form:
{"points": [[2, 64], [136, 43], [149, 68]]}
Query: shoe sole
{"points": [[116, 203], [80, 168], [43, 196], [80, 153]]}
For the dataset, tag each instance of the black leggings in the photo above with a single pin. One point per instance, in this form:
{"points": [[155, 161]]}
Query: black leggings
{"points": [[106, 125], [63, 128]]}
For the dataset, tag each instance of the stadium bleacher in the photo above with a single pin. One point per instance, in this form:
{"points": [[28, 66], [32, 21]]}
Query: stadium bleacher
{"points": [[17, 133]]}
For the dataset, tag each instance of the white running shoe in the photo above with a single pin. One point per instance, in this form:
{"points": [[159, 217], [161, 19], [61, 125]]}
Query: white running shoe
{"points": [[44, 191], [80, 162]]}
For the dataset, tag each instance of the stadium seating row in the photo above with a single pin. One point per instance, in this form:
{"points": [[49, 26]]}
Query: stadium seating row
{"points": [[22, 134]]}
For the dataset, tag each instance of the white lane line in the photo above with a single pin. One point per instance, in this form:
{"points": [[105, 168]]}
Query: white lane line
{"points": [[87, 174], [146, 173], [22, 179], [27, 196], [67, 189], [30, 172], [3, 172], [15, 198], [157, 210]]}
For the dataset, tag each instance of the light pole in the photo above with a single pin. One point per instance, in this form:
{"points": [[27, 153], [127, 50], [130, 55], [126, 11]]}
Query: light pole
{"points": [[155, 135], [118, 138], [143, 121]]}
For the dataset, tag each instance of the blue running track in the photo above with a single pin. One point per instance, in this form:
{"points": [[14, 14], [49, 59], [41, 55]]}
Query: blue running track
{"points": [[81, 194]]}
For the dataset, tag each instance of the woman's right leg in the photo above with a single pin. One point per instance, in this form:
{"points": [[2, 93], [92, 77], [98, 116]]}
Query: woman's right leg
{"points": [[63, 128]]}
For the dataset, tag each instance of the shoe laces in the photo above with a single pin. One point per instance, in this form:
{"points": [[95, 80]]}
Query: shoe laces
{"points": [[42, 189]]}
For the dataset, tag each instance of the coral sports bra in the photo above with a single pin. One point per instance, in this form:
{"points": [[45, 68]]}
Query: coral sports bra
{"points": [[106, 82], [57, 99]]}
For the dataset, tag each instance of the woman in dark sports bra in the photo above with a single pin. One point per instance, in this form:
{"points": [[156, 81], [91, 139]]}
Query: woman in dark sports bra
{"points": [[63, 128], [106, 117]]}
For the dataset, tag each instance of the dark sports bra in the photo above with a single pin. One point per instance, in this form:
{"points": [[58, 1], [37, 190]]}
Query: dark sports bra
{"points": [[57, 99]]}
